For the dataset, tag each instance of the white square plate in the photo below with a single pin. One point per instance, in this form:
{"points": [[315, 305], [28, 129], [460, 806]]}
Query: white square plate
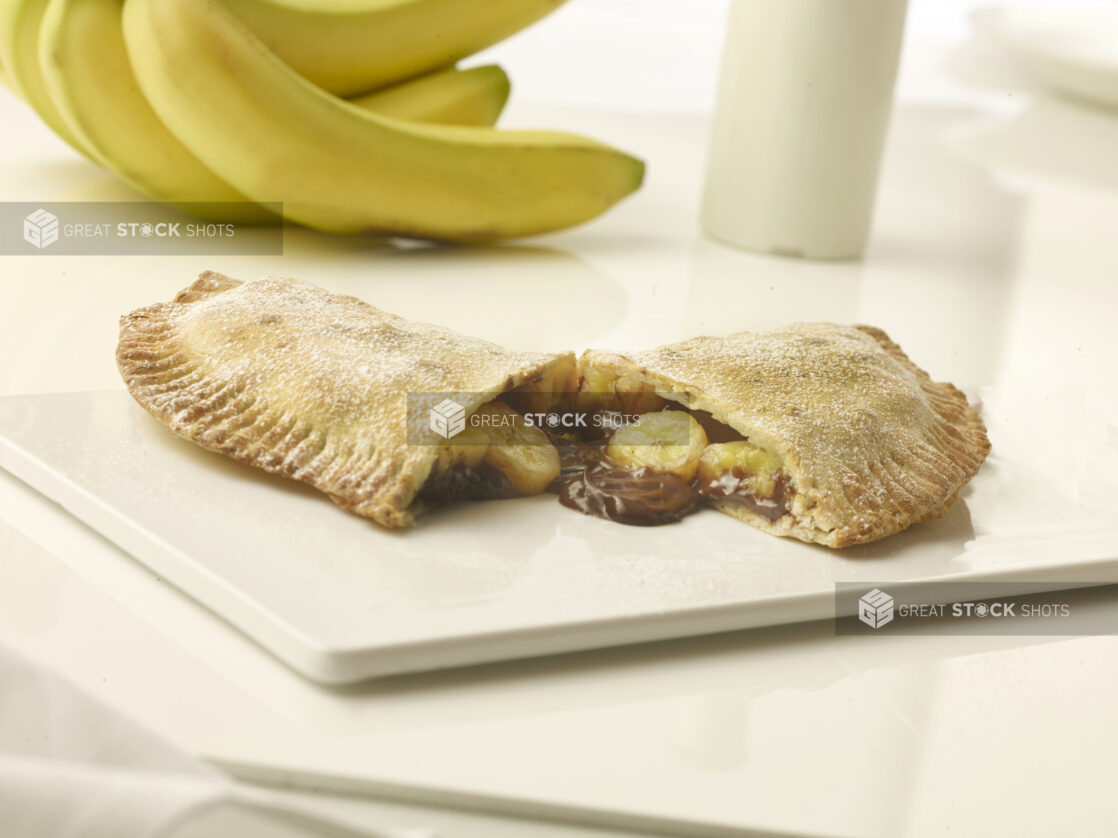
{"points": [[341, 600]]}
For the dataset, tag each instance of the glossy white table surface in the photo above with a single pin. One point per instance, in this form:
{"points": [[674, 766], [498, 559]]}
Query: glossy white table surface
{"points": [[993, 261]]}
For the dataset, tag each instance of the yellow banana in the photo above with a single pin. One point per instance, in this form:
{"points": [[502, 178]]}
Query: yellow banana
{"points": [[450, 97], [5, 79], [88, 77], [353, 46], [19, 53], [90, 81], [274, 136]]}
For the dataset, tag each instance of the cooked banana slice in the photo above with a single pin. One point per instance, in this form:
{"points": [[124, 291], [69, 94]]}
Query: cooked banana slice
{"points": [[521, 452], [727, 464], [604, 390], [467, 451], [553, 389], [668, 441]]}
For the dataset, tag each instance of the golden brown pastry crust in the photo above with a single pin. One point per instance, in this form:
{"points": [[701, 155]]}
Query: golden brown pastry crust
{"points": [[869, 443], [310, 385]]}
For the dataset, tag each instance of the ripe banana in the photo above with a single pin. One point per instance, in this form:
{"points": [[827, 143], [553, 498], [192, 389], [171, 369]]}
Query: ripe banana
{"points": [[19, 53], [5, 79], [353, 46], [449, 97], [274, 136], [90, 81], [668, 441]]}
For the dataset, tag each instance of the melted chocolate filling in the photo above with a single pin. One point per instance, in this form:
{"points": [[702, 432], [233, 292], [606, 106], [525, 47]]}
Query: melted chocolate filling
{"points": [[737, 486], [641, 498], [716, 431], [589, 483], [462, 482]]}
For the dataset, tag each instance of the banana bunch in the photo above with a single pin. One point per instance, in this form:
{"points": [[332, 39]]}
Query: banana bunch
{"points": [[349, 113]]}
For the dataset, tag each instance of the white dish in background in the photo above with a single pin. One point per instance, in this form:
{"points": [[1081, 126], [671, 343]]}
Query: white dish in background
{"points": [[1070, 46], [341, 600]]}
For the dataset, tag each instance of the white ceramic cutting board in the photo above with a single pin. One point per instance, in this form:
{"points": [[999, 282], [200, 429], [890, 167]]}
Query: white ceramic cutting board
{"points": [[341, 600]]}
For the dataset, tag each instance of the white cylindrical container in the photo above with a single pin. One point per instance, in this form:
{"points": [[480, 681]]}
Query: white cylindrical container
{"points": [[803, 107]]}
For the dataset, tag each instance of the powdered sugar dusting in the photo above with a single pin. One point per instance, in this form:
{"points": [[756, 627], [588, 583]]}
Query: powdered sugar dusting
{"points": [[870, 442], [309, 384], [290, 337]]}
